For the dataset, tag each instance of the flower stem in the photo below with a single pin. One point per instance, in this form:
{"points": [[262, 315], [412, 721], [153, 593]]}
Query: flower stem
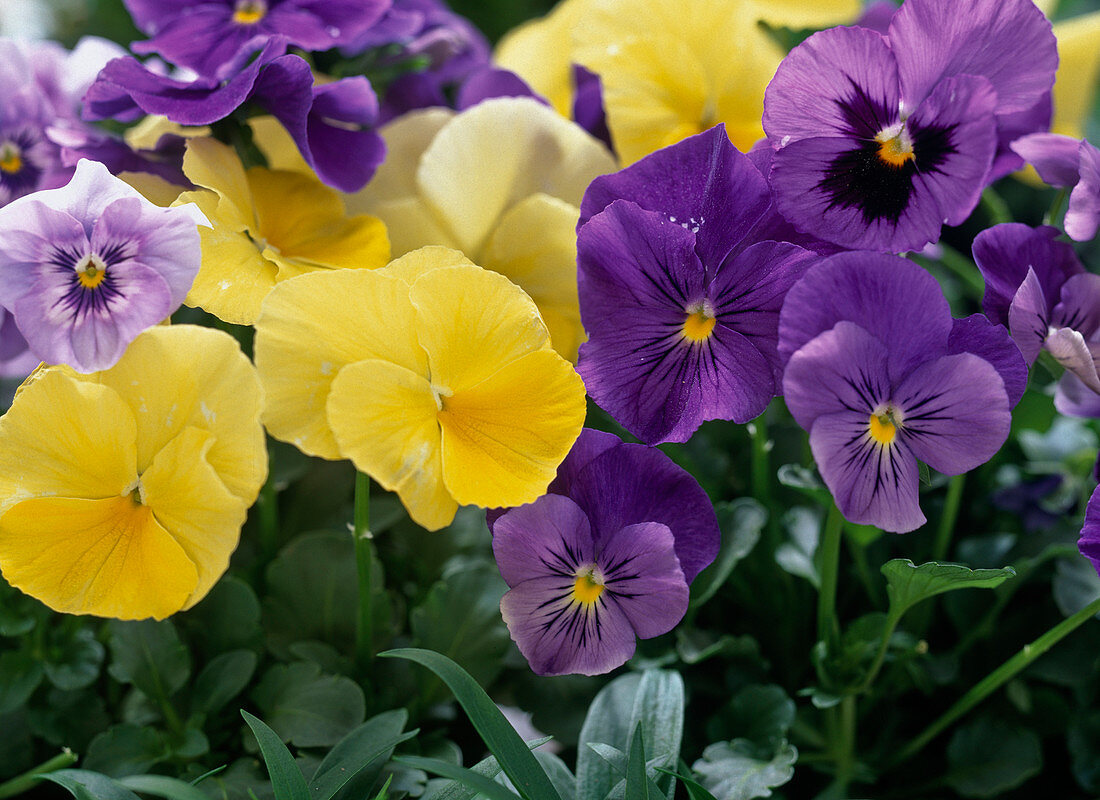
{"points": [[761, 480], [947, 519], [1051, 217], [828, 628], [997, 678], [28, 780], [995, 207], [364, 630]]}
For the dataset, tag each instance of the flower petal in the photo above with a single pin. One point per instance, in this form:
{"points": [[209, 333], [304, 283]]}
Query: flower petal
{"points": [[1053, 155], [548, 538], [976, 334], [1029, 317], [1070, 349], [1083, 213], [644, 578]]}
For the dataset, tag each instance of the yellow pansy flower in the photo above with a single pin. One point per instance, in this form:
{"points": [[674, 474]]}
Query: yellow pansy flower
{"points": [[123, 492], [268, 225], [434, 376], [1078, 73], [514, 213], [669, 68]]}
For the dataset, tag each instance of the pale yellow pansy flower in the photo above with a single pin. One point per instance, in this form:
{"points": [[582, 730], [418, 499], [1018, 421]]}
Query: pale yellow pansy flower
{"points": [[123, 492], [433, 376], [268, 225], [669, 68], [502, 182], [1078, 73]]}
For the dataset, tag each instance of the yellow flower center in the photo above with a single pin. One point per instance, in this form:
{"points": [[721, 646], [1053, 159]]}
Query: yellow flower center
{"points": [[699, 323], [588, 586], [894, 145], [91, 271], [11, 160], [883, 424], [249, 12]]}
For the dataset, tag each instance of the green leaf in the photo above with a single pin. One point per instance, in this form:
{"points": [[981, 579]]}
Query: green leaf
{"points": [[762, 714], [307, 707], [125, 750], [149, 655], [796, 556], [1075, 584], [226, 619], [741, 523], [731, 770], [1084, 748], [636, 782], [385, 788], [907, 584], [490, 768], [695, 790], [161, 786], [497, 733], [286, 779], [20, 674], [556, 770], [988, 757], [806, 480], [222, 679], [358, 758], [74, 662], [479, 783], [86, 785]]}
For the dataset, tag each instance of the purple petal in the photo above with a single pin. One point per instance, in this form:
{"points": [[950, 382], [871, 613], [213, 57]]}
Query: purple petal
{"points": [[878, 15], [1074, 399], [33, 233], [490, 82], [411, 91], [643, 578], [203, 39], [1054, 156], [1089, 543], [1079, 306], [1011, 127], [1070, 349], [323, 24], [1083, 213], [588, 108], [934, 40], [548, 538], [993, 343], [1029, 317], [955, 412]]}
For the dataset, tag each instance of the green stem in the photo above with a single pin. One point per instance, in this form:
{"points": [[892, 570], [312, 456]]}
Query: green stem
{"points": [[364, 631], [995, 207], [994, 680], [863, 569], [828, 628], [1055, 211], [28, 780], [947, 519], [761, 473], [846, 754], [880, 657]]}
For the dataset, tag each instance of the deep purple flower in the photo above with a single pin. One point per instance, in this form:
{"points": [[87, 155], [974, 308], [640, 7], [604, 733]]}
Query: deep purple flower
{"points": [[1089, 543], [87, 267], [1064, 161], [680, 303], [605, 557], [205, 35], [882, 140], [880, 376]]}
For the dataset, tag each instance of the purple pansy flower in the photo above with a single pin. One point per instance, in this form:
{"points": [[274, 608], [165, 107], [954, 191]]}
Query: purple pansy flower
{"points": [[1089, 543], [679, 299], [604, 557], [1035, 285], [880, 375], [16, 360], [1064, 161], [87, 267], [205, 35], [881, 140]]}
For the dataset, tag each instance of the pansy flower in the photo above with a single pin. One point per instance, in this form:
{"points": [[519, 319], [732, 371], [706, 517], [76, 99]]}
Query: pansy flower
{"points": [[881, 376], [432, 375], [679, 298], [87, 267], [1089, 541], [1075, 165], [604, 558], [882, 140], [123, 492]]}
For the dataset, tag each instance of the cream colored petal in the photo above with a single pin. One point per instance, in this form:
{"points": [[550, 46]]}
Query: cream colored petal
{"points": [[411, 266], [384, 418], [535, 247], [65, 437], [504, 438], [313, 326], [105, 557], [472, 322], [411, 224], [190, 501], [802, 14], [212, 165]]}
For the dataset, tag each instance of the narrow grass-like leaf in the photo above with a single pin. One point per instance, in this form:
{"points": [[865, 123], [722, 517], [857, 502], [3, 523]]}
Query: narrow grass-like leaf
{"points": [[525, 772], [695, 790], [163, 786], [371, 743], [385, 788], [636, 783], [482, 785], [87, 785], [287, 780]]}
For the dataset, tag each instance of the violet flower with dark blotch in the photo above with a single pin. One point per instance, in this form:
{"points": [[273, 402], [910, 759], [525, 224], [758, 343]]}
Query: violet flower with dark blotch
{"points": [[1073, 164], [680, 304], [604, 557], [880, 375], [882, 140], [87, 267], [1089, 542], [1036, 286], [205, 35]]}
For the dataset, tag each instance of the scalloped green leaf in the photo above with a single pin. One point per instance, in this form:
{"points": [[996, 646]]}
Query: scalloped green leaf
{"points": [[908, 584]]}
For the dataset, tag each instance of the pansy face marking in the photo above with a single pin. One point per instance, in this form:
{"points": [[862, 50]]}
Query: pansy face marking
{"points": [[21, 158], [700, 322], [249, 12]]}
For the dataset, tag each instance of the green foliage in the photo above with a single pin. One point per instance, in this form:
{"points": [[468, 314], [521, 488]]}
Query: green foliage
{"points": [[908, 584], [989, 756], [287, 780], [732, 770], [308, 708], [741, 523]]}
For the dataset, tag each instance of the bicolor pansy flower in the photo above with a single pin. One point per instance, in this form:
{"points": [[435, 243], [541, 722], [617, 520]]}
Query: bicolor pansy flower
{"points": [[679, 297], [87, 267], [881, 376], [881, 140], [604, 558]]}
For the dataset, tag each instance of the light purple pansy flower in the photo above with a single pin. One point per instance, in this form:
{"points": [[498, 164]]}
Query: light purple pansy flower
{"points": [[16, 359], [87, 267], [1035, 285], [679, 299], [880, 375], [881, 140], [1089, 542], [205, 35], [604, 558], [1074, 164]]}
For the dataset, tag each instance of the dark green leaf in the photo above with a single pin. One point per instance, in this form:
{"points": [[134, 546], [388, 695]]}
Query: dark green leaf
{"points": [[731, 771], [86, 785], [1084, 748], [149, 655], [694, 789], [162, 786], [907, 584], [479, 783], [286, 779], [125, 750], [988, 757], [20, 674], [74, 662], [557, 771], [228, 618], [385, 788], [497, 733], [1075, 584], [741, 523], [762, 714], [222, 679], [636, 782], [360, 756], [308, 707]]}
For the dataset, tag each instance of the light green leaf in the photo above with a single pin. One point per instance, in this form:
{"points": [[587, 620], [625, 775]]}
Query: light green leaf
{"points": [[87, 785], [908, 584], [286, 779], [695, 790], [796, 556], [741, 523], [730, 770], [479, 783]]}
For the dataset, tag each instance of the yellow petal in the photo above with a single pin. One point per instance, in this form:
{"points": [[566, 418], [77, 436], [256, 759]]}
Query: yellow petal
{"points": [[190, 501], [412, 265], [146, 134], [153, 188], [105, 557], [183, 376], [504, 438], [275, 142], [1078, 73], [65, 437], [212, 165], [544, 266], [411, 224], [800, 14], [384, 418], [471, 322], [310, 328]]}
